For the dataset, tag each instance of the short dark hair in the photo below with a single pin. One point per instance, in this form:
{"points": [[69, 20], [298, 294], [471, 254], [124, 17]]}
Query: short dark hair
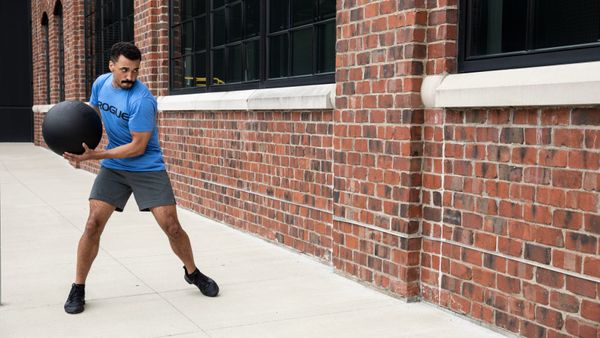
{"points": [[127, 49]]}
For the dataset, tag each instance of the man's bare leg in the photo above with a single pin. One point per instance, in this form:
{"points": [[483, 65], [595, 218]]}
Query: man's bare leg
{"points": [[166, 216], [87, 251], [89, 243]]}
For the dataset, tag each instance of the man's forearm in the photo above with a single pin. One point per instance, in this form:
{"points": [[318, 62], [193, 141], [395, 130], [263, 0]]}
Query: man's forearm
{"points": [[123, 151]]}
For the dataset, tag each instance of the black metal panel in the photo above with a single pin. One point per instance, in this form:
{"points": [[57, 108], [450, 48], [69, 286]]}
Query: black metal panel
{"points": [[16, 124], [16, 98]]}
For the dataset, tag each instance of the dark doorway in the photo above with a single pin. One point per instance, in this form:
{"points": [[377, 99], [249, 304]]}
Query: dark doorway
{"points": [[16, 94]]}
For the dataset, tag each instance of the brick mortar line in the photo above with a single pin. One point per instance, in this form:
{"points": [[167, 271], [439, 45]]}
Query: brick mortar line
{"points": [[242, 150], [383, 63], [442, 193], [569, 127], [252, 113], [292, 180], [167, 117], [241, 140], [551, 147], [368, 226], [247, 152]]}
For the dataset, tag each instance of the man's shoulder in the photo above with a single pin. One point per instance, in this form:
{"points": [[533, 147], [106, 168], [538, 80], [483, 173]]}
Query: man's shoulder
{"points": [[140, 96], [140, 91], [101, 80]]}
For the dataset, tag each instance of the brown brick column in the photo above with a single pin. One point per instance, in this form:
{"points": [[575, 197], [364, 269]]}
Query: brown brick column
{"points": [[73, 23], [151, 31], [378, 142], [38, 8], [441, 56]]}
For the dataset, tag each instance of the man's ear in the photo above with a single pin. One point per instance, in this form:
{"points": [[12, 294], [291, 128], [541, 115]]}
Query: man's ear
{"points": [[111, 65]]}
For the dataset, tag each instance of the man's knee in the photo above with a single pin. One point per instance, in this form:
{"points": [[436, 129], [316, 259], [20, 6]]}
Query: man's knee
{"points": [[100, 212], [93, 228], [173, 228]]}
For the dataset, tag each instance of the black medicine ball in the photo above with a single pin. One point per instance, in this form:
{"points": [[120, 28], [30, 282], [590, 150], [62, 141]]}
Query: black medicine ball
{"points": [[69, 124]]}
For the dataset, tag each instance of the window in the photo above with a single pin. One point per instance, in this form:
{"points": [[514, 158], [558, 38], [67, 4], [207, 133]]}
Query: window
{"points": [[106, 23], [242, 44], [501, 34], [46, 38], [61, 50]]}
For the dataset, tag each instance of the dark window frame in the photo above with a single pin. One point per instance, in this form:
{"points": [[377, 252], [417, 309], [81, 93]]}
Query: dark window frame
{"points": [[532, 58], [263, 81], [96, 46]]}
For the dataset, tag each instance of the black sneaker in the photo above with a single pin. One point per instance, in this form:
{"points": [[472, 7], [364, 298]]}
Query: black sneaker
{"points": [[76, 299], [207, 286]]}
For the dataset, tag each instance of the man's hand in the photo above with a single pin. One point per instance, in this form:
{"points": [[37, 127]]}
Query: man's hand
{"points": [[88, 154]]}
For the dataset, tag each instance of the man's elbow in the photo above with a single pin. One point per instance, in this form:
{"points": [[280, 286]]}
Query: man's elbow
{"points": [[138, 152]]}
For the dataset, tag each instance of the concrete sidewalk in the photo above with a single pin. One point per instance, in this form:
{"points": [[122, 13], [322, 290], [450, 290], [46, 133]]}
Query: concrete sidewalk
{"points": [[136, 286]]}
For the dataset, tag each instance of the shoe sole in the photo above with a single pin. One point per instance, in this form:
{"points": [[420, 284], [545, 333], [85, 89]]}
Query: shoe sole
{"points": [[74, 312], [190, 282]]}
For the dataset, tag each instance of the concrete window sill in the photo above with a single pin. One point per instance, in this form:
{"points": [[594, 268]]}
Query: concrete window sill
{"points": [[287, 98], [571, 84]]}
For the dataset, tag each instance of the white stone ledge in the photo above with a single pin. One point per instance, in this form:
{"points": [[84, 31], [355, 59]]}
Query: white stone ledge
{"points": [[41, 108], [571, 84], [287, 98]]}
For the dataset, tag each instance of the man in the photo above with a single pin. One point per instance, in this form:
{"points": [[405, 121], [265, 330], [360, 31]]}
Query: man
{"points": [[132, 162]]}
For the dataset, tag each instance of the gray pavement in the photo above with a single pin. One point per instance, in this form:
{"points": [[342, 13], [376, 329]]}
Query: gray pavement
{"points": [[136, 286]]}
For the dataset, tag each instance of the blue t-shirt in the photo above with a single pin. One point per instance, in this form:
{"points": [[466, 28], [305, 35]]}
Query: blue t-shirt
{"points": [[125, 111]]}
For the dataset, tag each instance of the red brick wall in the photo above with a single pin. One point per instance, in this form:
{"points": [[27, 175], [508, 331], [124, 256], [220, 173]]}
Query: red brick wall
{"points": [[74, 50], [378, 142], [510, 208], [54, 53], [38, 8], [39, 65], [519, 220], [39, 53], [267, 172]]}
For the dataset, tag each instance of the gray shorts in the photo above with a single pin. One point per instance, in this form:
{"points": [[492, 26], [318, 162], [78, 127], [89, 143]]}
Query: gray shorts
{"points": [[150, 188]]}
